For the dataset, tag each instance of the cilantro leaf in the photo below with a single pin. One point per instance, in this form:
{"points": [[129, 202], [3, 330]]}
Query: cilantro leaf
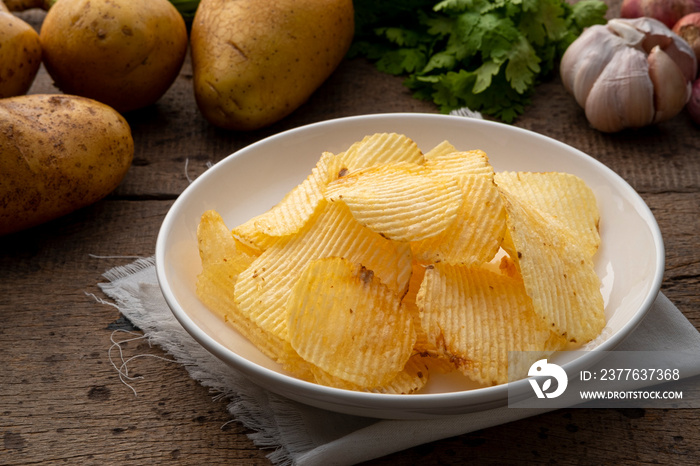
{"points": [[523, 66], [586, 13], [488, 55], [441, 60], [401, 61], [484, 75]]}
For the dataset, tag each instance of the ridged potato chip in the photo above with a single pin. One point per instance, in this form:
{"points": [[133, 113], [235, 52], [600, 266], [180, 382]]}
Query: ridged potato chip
{"points": [[381, 148], [400, 201], [262, 289], [563, 196], [473, 162], [445, 147], [344, 320], [422, 345], [295, 209], [215, 289], [223, 259], [217, 244], [557, 271], [476, 234], [413, 377], [475, 317]]}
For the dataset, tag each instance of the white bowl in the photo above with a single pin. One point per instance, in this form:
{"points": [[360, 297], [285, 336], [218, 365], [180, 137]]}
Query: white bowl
{"points": [[630, 262]]}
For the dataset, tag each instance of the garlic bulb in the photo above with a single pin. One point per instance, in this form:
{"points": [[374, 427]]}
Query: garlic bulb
{"points": [[629, 73]]}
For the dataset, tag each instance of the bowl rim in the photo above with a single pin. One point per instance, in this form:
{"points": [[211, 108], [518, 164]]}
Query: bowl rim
{"points": [[393, 401]]}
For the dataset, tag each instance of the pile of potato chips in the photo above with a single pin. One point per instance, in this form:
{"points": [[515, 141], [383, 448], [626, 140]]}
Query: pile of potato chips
{"points": [[387, 264]]}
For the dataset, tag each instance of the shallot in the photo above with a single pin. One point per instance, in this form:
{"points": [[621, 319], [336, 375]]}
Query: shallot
{"points": [[688, 27], [666, 11]]}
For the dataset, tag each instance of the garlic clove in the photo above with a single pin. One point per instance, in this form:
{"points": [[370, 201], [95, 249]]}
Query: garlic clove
{"points": [[626, 31], [582, 46], [681, 53], [671, 90], [585, 59], [656, 33], [623, 95]]}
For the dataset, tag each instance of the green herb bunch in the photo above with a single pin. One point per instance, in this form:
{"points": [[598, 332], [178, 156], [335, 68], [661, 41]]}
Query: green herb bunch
{"points": [[487, 55]]}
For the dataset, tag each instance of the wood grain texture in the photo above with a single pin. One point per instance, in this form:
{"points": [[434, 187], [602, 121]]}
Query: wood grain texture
{"points": [[61, 400]]}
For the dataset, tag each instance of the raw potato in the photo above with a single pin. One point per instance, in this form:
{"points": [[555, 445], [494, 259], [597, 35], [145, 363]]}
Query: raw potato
{"points": [[125, 54], [256, 61], [20, 54], [59, 153]]}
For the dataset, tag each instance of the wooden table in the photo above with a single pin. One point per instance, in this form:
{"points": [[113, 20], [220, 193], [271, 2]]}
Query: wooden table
{"points": [[61, 400]]}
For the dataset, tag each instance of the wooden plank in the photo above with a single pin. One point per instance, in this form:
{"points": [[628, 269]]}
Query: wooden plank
{"points": [[60, 398]]}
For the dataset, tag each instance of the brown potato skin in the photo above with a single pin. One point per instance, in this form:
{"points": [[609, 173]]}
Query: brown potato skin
{"points": [[20, 55], [123, 53], [58, 153], [256, 61]]}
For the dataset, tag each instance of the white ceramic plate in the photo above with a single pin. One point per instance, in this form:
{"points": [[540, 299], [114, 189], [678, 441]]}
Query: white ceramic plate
{"points": [[630, 262]]}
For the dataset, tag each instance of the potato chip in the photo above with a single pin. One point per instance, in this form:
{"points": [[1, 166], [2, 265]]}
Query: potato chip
{"points": [[400, 201], [217, 244], [295, 209], [290, 214], [445, 147], [422, 346], [557, 272], [475, 317], [413, 377], [425, 350], [477, 233], [473, 162], [262, 289], [381, 148], [344, 320], [223, 259], [438, 363], [563, 196], [215, 289]]}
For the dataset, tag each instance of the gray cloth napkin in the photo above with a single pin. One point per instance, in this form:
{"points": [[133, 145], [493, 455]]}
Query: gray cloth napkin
{"points": [[304, 435]]}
